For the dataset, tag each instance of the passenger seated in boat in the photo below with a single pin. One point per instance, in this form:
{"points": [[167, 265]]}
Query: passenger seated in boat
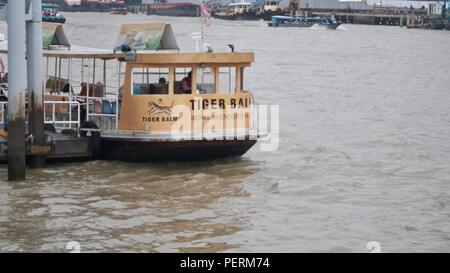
{"points": [[162, 81], [95, 90], [162, 86], [152, 89], [186, 84], [57, 85]]}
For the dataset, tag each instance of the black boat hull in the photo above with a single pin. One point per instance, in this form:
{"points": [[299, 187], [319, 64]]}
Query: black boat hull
{"points": [[237, 17], [177, 12], [249, 16], [146, 151]]}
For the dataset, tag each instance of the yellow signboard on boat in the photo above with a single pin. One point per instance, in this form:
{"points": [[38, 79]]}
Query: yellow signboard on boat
{"points": [[148, 36], [53, 36]]}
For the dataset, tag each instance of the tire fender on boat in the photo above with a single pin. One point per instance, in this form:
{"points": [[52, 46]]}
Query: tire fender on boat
{"points": [[95, 137]]}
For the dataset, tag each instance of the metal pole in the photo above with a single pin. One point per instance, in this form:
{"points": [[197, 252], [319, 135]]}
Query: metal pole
{"points": [[104, 77], [16, 90], [35, 88], [88, 88]]}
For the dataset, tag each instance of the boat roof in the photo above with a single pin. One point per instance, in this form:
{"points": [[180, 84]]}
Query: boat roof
{"points": [[74, 52], [49, 5], [189, 58], [151, 57], [239, 4], [290, 17]]}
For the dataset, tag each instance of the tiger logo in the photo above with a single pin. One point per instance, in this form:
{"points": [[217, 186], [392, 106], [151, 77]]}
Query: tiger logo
{"points": [[154, 109]]}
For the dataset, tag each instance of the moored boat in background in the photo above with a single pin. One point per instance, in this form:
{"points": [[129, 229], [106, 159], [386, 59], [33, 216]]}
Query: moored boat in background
{"points": [[174, 9], [50, 14], [236, 11], [119, 11], [269, 8], [304, 22]]}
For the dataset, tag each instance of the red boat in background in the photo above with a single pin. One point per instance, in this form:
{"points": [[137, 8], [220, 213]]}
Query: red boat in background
{"points": [[173, 9]]}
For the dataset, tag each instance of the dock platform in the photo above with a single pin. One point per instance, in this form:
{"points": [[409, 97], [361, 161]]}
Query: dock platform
{"points": [[57, 146]]}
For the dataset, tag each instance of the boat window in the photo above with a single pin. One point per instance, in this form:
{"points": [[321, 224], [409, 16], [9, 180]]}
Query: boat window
{"points": [[150, 81], [205, 80], [227, 79], [183, 80]]}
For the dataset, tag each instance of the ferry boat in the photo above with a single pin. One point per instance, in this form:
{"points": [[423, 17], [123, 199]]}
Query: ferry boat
{"points": [[50, 14], [237, 11], [147, 101], [249, 11], [304, 22], [151, 114]]}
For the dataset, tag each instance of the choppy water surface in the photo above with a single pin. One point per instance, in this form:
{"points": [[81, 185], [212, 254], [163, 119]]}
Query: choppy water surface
{"points": [[364, 155]]}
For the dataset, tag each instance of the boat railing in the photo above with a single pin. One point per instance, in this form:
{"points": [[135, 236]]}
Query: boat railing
{"points": [[103, 108], [2, 112], [61, 119], [103, 111], [54, 113], [90, 81]]}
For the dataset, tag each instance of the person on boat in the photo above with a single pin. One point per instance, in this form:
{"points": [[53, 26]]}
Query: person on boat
{"points": [[152, 89], [162, 84], [186, 84]]}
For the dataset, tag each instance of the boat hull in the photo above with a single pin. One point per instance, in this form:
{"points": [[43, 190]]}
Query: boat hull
{"points": [[248, 16], [174, 12], [147, 151], [175, 9], [329, 26], [54, 19]]}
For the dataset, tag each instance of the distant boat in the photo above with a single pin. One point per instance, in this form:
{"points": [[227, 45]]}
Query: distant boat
{"points": [[268, 9], [262, 9], [303, 22], [50, 14], [237, 11], [119, 11], [174, 9]]}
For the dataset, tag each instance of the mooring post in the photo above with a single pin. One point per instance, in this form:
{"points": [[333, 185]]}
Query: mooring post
{"points": [[34, 68], [16, 90]]}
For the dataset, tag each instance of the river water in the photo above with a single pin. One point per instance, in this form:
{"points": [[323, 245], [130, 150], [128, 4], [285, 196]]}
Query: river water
{"points": [[364, 155]]}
